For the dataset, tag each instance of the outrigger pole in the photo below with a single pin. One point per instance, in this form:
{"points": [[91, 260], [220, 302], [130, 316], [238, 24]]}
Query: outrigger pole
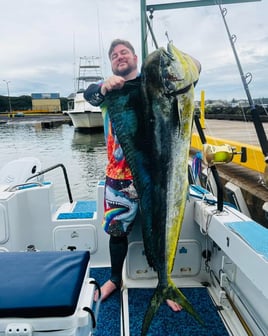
{"points": [[246, 79]]}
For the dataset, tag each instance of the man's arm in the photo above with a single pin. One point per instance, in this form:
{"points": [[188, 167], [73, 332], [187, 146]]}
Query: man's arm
{"points": [[93, 94]]}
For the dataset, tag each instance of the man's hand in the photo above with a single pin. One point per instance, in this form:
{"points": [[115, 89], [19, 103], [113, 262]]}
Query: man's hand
{"points": [[112, 83]]}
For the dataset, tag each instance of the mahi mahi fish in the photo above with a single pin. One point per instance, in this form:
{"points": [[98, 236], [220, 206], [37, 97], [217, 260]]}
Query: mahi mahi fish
{"points": [[152, 118]]}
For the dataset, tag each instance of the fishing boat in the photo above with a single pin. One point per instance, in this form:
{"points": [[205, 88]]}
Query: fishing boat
{"points": [[84, 116], [221, 262]]}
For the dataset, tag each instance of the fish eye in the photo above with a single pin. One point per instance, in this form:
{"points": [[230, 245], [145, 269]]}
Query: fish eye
{"points": [[168, 62]]}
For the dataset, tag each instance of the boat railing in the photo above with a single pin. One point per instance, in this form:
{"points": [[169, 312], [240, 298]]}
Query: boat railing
{"points": [[67, 183], [24, 186]]}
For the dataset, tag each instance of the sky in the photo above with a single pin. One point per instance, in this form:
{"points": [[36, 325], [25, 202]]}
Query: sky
{"points": [[43, 40]]}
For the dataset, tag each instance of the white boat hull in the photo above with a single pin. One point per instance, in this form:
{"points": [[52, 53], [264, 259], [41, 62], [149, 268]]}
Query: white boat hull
{"points": [[85, 116], [86, 120]]}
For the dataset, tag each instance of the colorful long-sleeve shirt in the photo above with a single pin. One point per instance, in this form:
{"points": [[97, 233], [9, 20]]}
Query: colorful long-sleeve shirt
{"points": [[117, 167]]}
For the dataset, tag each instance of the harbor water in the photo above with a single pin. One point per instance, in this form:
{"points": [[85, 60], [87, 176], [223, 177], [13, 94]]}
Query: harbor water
{"points": [[83, 155]]}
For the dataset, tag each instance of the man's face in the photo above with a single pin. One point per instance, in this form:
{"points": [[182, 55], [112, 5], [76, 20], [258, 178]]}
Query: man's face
{"points": [[123, 61]]}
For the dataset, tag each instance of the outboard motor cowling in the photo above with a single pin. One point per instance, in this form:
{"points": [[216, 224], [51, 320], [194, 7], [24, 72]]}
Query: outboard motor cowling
{"points": [[18, 171]]}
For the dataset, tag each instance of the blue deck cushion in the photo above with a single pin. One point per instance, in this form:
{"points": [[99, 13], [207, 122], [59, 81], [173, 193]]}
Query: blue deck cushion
{"points": [[253, 234], [41, 284], [82, 209]]}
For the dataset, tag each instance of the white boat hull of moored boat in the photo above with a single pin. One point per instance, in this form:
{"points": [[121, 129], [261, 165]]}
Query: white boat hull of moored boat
{"points": [[84, 115]]}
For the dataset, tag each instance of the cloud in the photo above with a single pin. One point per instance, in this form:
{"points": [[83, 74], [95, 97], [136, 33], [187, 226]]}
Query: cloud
{"points": [[41, 42]]}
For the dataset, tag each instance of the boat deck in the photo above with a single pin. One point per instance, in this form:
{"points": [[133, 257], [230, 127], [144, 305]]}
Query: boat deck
{"points": [[165, 322]]}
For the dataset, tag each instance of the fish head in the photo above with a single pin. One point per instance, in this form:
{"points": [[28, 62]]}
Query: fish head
{"points": [[162, 72], [172, 73], [187, 67], [170, 70]]}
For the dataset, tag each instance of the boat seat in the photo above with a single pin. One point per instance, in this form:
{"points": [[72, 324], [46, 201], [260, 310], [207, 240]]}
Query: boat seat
{"points": [[41, 284]]}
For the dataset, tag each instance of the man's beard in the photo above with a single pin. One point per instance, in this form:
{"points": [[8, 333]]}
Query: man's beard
{"points": [[124, 72]]}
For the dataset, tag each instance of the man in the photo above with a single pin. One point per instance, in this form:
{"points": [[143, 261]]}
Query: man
{"points": [[119, 188]]}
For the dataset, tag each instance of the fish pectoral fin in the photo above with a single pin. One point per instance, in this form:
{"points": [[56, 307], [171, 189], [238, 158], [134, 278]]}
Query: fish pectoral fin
{"points": [[161, 295]]}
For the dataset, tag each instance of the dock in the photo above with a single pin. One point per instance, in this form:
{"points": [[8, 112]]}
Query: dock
{"points": [[239, 131], [250, 181], [45, 120]]}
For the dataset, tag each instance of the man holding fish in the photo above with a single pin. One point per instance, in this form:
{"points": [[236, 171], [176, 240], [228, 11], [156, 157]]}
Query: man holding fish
{"points": [[121, 198]]}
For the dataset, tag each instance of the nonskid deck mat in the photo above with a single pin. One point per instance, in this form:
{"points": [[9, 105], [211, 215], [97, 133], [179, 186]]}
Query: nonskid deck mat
{"points": [[109, 314], [82, 209], [165, 322], [168, 323]]}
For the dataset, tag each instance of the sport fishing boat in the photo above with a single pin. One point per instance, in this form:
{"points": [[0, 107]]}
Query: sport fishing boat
{"points": [[55, 257], [221, 263], [84, 116]]}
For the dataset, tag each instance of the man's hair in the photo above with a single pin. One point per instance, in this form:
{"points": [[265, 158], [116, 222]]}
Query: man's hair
{"points": [[119, 41]]}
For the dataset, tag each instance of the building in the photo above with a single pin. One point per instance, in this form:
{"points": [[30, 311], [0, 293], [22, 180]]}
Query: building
{"points": [[46, 102]]}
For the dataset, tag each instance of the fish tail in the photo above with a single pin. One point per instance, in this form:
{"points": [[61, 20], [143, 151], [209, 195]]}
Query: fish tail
{"points": [[162, 294]]}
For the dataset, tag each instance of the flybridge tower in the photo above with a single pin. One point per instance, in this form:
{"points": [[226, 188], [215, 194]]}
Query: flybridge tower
{"points": [[89, 71]]}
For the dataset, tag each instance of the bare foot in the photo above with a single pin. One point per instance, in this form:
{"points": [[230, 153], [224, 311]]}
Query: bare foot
{"points": [[106, 290], [174, 306]]}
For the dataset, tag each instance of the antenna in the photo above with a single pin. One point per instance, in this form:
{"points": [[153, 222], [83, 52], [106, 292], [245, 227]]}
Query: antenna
{"points": [[74, 62]]}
